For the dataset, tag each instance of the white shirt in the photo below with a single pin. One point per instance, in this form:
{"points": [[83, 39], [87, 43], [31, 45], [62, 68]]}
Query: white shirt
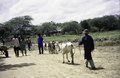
{"points": [[15, 42]]}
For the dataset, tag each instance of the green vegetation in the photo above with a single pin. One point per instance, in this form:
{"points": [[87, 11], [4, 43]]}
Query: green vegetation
{"points": [[101, 38], [107, 34], [110, 34], [61, 38], [104, 29], [23, 26]]}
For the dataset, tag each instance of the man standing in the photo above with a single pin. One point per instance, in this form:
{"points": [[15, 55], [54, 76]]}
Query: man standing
{"points": [[29, 43], [16, 45], [88, 43], [23, 47], [40, 44], [2, 40]]}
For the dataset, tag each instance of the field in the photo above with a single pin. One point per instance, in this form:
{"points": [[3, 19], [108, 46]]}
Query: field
{"points": [[109, 34], [107, 61], [106, 58]]}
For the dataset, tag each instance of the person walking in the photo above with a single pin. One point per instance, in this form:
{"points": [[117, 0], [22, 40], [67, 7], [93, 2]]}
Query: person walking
{"points": [[88, 43], [23, 47], [29, 43], [2, 40], [40, 43], [16, 45]]}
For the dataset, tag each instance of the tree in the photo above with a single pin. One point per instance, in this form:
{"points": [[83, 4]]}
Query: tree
{"points": [[84, 24], [105, 23], [18, 25], [70, 27], [118, 21], [47, 27]]}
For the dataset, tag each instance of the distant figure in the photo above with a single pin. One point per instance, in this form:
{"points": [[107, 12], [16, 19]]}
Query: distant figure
{"points": [[23, 47], [16, 45], [2, 40], [40, 43], [4, 49], [88, 43], [19, 38], [53, 47], [29, 43]]}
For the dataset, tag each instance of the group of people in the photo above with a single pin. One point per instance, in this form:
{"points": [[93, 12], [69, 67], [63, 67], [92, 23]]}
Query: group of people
{"points": [[86, 40], [19, 44]]}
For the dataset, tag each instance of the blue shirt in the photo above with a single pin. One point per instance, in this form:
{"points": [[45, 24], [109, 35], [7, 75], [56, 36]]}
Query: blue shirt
{"points": [[40, 41]]}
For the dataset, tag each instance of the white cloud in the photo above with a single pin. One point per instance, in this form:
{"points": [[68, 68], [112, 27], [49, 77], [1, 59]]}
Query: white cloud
{"points": [[57, 10]]}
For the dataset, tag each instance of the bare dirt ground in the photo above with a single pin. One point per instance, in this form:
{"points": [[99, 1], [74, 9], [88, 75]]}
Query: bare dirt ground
{"points": [[107, 61]]}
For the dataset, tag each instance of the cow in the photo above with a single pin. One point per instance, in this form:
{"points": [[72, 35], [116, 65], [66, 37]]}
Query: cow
{"points": [[53, 47], [67, 48]]}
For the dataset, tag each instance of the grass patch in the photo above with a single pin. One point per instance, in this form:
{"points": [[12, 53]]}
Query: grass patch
{"points": [[108, 34], [61, 38], [113, 37]]}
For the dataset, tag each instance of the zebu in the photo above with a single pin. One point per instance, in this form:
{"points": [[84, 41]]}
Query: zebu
{"points": [[67, 48], [53, 47]]}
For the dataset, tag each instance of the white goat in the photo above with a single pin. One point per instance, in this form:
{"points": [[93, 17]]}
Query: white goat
{"points": [[67, 48], [53, 47]]}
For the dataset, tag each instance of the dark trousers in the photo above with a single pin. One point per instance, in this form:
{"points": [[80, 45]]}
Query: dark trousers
{"points": [[91, 63], [24, 51], [16, 50], [29, 46], [88, 57], [40, 49], [6, 53]]}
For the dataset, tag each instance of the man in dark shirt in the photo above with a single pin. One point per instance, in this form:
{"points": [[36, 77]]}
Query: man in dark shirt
{"points": [[40, 44], [29, 43], [88, 43]]}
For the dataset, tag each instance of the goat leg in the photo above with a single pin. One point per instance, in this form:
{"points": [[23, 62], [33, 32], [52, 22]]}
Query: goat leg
{"points": [[63, 59], [67, 57]]}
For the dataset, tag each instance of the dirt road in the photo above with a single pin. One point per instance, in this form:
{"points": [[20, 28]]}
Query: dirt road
{"points": [[107, 61]]}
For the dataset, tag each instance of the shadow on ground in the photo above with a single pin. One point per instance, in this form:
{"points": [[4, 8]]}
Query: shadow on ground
{"points": [[4, 67], [98, 68], [71, 63]]}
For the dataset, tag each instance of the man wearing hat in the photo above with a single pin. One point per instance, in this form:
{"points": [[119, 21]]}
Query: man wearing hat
{"points": [[88, 43]]}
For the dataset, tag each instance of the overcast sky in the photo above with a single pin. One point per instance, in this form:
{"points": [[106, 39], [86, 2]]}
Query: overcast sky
{"points": [[57, 10]]}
